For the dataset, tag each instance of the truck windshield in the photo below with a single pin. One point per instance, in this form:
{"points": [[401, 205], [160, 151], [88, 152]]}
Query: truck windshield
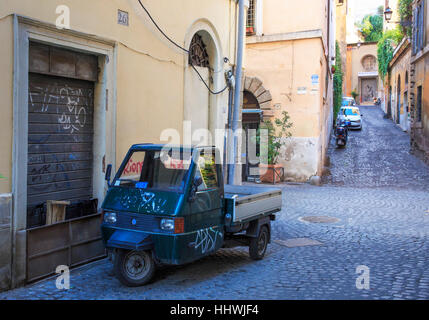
{"points": [[165, 171]]}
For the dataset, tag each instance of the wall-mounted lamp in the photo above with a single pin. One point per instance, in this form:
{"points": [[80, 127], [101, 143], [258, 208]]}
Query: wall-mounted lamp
{"points": [[388, 14]]}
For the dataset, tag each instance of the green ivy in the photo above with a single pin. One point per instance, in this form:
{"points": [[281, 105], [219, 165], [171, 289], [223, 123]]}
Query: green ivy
{"points": [[406, 14], [338, 81], [385, 48]]}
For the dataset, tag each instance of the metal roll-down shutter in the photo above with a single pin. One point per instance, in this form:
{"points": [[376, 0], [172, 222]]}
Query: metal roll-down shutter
{"points": [[60, 138]]}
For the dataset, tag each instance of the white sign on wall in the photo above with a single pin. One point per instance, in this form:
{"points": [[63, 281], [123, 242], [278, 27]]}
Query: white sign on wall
{"points": [[123, 18]]}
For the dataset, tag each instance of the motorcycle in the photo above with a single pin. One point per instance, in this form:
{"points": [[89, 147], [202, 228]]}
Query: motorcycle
{"points": [[377, 102], [341, 133]]}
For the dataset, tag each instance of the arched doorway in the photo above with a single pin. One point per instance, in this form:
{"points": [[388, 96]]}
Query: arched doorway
{"points": [[257, 107], [198, 97], [398, 103], [251, 119], [203, 67], [406, 107]]}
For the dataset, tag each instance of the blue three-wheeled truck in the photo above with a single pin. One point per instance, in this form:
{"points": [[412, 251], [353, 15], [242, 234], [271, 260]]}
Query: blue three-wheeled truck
{"points": [[168, 205]]}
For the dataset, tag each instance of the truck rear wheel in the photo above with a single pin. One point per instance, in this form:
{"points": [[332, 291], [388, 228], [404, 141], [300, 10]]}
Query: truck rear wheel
{"points": [[258, 245], [134, 268]]}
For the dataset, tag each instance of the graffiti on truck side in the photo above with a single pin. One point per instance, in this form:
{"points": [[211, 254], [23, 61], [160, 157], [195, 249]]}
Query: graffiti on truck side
{"points": [[206, 239]]}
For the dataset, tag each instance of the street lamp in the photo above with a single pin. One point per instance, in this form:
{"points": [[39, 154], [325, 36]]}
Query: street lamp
{"points": [[388, 14]]}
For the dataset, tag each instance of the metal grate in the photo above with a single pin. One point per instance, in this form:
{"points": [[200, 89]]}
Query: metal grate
{"points": [[250, 26], [141, 222], [198, 55]]}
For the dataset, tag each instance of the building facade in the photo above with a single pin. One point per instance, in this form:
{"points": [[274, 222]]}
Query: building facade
{"points": [[419, 79], [342, 7], [361, 74], [81, 82], [289, 55], [397, 105]]}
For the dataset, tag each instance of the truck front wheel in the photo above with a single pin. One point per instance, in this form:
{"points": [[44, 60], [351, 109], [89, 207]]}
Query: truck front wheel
{"points": [[258, 245], [134, 268]]}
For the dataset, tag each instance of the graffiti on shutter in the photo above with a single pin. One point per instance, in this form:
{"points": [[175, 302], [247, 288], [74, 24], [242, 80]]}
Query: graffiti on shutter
{"points": [[60, 137]]}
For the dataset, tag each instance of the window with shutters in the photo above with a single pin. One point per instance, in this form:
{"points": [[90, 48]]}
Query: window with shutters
{"points": [[251, 18], [419, 103], [419, 26]]}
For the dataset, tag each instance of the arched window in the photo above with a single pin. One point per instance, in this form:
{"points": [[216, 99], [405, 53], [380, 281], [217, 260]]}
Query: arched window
{"points": [[406, 78], [198, 55], [369, 63]]}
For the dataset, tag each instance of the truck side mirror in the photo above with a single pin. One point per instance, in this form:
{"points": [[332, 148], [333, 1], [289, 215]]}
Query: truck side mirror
{"points": [[108, 174], [196, 183]]}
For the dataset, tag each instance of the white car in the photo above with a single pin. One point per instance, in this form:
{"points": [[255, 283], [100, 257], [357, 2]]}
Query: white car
{"points": [[351, 114], [348, 102]]}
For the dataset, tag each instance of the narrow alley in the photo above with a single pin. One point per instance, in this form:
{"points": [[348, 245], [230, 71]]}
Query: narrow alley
{"points": [[373, 212]]}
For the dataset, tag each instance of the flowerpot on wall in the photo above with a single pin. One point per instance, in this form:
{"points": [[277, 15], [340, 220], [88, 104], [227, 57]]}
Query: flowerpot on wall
{"points": [[250, 31], [271, 173]]}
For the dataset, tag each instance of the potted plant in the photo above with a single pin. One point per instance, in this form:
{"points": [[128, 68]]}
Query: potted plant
{"points": [[276, 134], [249, 30], [355, 94]]}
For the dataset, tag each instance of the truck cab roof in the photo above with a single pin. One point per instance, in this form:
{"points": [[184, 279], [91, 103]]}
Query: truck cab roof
{"points": [[150, 146]]}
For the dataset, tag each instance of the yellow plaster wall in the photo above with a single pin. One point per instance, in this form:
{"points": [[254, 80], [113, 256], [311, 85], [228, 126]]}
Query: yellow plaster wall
{"points": [[6, 112], [283, 67], [150, 70]]}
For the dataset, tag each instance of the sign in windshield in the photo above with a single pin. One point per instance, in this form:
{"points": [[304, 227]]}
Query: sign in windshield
{"points": [[160, 170]]}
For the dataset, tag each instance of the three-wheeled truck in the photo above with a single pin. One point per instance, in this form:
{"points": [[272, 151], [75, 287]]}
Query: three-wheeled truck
{"points": [[168, 205]]}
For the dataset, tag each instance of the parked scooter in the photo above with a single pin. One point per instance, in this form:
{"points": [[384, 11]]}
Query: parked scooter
{"points": [[342, 133], [377, 102]]}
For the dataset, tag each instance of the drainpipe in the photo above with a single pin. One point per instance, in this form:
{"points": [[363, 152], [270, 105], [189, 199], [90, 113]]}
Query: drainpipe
{"points": [[237, 92], [226, 147]]}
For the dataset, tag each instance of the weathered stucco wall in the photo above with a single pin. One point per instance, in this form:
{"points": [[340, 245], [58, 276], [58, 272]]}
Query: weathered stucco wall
{"points": [[400, 71], [420, 132], [291, 16], [341, 34], [6, 94], [290, 58], [140, 91], [286, 69], [150, 70]]}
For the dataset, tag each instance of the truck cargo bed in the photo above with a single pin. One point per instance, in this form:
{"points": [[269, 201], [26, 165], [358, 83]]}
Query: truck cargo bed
{"points": [[250, 202]]}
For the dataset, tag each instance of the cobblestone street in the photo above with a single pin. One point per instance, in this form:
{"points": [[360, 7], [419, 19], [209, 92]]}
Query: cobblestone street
{"points": [[378, 193]]}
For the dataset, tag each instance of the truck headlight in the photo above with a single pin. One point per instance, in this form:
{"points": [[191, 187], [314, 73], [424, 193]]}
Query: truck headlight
{"points": [[167, 224], [110, 217]]}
